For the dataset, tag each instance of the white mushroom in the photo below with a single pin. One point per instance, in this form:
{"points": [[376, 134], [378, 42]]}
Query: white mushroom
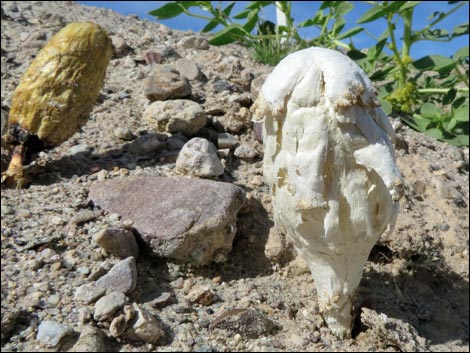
{"points": [[330, 164]]}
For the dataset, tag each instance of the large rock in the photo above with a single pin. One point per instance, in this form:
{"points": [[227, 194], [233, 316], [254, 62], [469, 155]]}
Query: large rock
{"points": [[190, 220], [165, 82], [198, 157], [179, 115]]}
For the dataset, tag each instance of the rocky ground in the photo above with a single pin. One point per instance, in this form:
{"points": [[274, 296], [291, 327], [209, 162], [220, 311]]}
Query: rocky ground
{"points": [[70, 281]]}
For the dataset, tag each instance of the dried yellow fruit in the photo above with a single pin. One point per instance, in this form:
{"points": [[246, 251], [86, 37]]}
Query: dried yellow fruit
{"points": [[58, 90]]}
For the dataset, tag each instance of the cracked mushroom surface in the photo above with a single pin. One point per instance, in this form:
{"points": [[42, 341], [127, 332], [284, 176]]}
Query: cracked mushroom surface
{"points": [[329, 161]]}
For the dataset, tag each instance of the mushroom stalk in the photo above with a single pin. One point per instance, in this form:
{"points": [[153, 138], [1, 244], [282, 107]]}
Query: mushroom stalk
{"points": [[14, 176], [330, 165]]}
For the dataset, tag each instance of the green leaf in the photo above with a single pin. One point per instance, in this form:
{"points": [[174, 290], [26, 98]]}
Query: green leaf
{"points": [[449, 96], [458, 102], [461, 114], [461, 53], [308, 23], [450, 126], [168, 10], [419, 123], [259, 4], [343, 8], [229, 8], [251, 21], [434, 62], [188, 4], [376, 50], [326, 4], [409, 5], [372, 14], [350, 32], [380, 74], [460, 30], [228, 35], [436, 133], [429, 110], [210, 26], [461, 140], [243, 14], [386, 106], [434, 35], [356, 54]]}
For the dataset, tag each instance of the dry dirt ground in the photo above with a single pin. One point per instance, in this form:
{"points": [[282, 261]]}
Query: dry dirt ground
{"points": [[417, 277]]}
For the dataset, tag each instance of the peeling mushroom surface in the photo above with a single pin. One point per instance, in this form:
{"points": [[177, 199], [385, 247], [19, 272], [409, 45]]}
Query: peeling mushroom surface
{"points": [[330, 163]]}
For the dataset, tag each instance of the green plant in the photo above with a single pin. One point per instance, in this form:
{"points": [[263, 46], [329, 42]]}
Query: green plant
{"points": [[406, 87], [268, 42], [430, 93]]}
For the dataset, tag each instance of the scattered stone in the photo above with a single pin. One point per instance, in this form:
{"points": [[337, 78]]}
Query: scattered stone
{"points": [[393, 332], [81, 148], [176, 116], [298, 340], [118, 242], [144, 326], [187, 219], [123, 133], [50, 333], [445, 190], [202, 295], [419, 186], [83, 216], [226, 140], [277, 248], [147, 144], [256, 84], [223, 153], [6, 210], [35, 39], [236, 119], [188, 68], [121, 278], [223, 85], [47, 253], [245, 152], [198, 157], [194, 42], [176, 142], [165, 82], [8, 322], [118, 326], [106, 306], [248, 323], [120, 47], [91, 339], [89, 293], [151, 57], [161, 301]]}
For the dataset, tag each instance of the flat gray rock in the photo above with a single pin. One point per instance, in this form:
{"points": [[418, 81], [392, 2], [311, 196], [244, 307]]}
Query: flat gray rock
{"points": [[191, 220], [121, 278]]}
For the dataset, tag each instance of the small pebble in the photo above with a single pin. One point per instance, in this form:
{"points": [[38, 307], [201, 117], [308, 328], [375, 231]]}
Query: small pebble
{"points": [[51, 332], [106, 306]]}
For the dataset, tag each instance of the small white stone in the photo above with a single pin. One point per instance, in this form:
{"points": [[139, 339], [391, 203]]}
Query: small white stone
{"points": [[51, 332]]}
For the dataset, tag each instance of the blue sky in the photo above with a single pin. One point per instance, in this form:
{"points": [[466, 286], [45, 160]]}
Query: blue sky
{"points": [[302, 10]]}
